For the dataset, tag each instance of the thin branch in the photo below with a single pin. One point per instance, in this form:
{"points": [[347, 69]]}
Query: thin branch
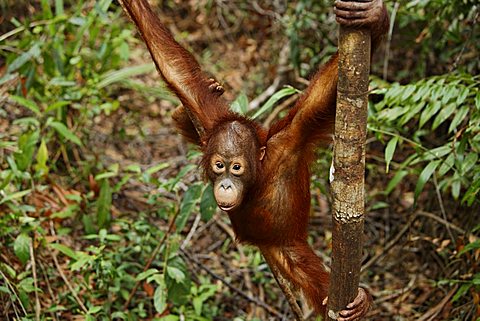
{"points": [[389, 39], [152, 257], [389, 245], [35, 282], [442, 208], [264, 305], [63, 276]]}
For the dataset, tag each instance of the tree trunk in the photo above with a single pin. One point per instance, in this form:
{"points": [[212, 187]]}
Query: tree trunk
{"points": [[348, 168]]}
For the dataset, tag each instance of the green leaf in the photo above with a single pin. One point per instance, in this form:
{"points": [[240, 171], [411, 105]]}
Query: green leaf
{"points": [[469, 162], [160, 298], [27, 144], [29, 104], [288, 91], [65, 132], [395, 181], [57, 105], [443, 115], [104, 204], [65, 250], [389, 151], [459, 117], [146, 274], [425, 176], [21, 247], [15, 196], [34, 52], [176, 274], [428, 112], [462, 96], [125, 73], [456, 186], [156, 168], [42, 156], [208, 205], [240, 104], [447, 164], [190, 199]]}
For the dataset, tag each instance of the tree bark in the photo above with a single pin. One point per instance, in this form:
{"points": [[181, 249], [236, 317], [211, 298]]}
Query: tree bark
{"points": [[348, 167]]}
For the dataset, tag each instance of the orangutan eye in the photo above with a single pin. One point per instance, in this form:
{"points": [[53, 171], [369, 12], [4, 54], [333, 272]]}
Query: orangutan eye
{"points": [[236, 167], [219, 165]]}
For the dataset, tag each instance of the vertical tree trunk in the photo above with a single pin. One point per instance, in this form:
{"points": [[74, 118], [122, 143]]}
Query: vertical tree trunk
{"points": [[348, 168]]}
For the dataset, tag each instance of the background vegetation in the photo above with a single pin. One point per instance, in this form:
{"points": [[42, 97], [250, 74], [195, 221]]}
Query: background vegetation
{"points": [[104, 214]]}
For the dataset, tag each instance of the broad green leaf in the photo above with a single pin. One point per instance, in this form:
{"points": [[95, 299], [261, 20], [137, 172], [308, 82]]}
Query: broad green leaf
{"points": [[477, 100], [27, 144], [425, 176], [65, 250], [29, 104], [42, 156], [208, 205], [160, 298], [65, 132], [389, 151], [456, 186], [104, 204], [288, 91], [21, 247], [146, 274], [240, 104], [190, 199], [176, 274]]}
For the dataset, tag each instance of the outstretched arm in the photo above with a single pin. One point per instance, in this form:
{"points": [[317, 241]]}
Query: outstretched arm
{"points": [[312, 118], [179, 69]]}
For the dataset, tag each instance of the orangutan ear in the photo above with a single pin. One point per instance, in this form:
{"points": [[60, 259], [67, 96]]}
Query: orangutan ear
{"points": [[263, 149]]}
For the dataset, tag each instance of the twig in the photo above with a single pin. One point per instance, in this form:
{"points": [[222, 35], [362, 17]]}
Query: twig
{"points": [[460, 54], [442, 208], [35, 282], [13, 290], [389, 39], [152, 257], [433, 312], [49, 287], [281, 281], [271, 117], [389, 245], [282, 68], [442, 221], [191, 232], [62, 275], [264, 305]]}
